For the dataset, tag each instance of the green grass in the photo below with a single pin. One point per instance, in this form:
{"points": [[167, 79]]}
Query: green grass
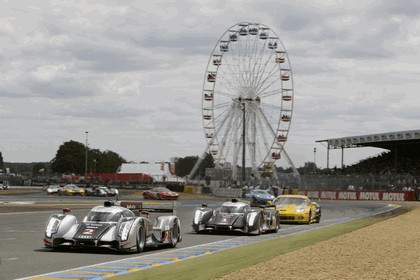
{"points": [[224, 262]]}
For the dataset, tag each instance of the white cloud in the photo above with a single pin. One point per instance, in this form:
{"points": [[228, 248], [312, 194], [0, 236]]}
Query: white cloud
{"points": [[131, 73]]}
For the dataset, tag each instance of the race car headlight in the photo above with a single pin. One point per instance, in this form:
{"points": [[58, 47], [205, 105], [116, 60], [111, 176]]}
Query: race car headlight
{"points": [[300, 209], [124, 230], [52, 227], [197, 217]]}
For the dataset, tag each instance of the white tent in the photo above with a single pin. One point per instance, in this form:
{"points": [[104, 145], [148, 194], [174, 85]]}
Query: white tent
{"points": [[160, 172]]}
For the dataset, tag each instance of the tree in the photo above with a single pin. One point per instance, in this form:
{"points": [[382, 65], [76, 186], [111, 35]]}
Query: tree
{"points": [[107, 161], [309, 167], [70, 158], [39, 169], [185, 165], [1, 162], [208, 162]]}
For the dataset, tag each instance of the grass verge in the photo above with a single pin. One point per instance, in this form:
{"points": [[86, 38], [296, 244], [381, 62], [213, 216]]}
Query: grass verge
{"points": [[222, 263]]}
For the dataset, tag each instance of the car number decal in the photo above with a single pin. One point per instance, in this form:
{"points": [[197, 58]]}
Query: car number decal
{"points": [[89, 231]]}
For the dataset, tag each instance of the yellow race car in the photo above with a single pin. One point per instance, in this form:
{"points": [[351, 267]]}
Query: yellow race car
{"points": [[71, 189], [297, 209]]}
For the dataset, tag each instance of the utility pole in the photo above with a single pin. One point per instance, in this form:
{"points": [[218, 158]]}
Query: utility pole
{"points": [[243, 145]]}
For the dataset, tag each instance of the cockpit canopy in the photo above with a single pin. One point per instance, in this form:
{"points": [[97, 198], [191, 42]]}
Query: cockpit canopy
{"points": [[106, 214], [291, 200], [232, 208]]}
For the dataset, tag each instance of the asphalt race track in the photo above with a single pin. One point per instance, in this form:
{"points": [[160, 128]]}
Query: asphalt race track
{"points": [[22, 253]]}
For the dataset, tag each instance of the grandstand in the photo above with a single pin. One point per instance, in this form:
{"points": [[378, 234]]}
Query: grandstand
{"points": [[398, 167], [403, 143], [387, 140]]}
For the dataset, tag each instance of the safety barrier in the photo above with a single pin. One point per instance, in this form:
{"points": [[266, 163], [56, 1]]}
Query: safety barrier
{"points": [[188, 189], [362, 195]]}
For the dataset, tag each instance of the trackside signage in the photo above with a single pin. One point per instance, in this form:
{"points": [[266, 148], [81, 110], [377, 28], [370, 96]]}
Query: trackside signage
{"points": [[360, 195]]}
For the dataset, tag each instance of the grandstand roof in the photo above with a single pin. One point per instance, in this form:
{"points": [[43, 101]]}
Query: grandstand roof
{"points": [[387, 140]]}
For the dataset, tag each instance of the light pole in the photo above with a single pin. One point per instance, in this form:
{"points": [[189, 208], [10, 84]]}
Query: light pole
{"points": [[86, 156], [243, 145], [314, 159]]}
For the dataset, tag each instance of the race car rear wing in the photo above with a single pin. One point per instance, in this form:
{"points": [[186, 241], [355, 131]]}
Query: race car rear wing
{"points": [[140, 206], [267, 206]]}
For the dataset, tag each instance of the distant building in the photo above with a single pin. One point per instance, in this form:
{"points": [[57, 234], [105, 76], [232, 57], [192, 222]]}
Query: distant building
{"points": [[160, 172]]}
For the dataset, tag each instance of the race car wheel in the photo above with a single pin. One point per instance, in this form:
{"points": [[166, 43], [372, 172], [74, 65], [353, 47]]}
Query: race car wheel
{"points": [[309, 218], [174, 235], [277, 225], [259, 226], [260, 230], [141, 239]]}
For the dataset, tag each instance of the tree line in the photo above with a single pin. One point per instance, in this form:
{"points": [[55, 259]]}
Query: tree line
{"points": [[70, 158]]}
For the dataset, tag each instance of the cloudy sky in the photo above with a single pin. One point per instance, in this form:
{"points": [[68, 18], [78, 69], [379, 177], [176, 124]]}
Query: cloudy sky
{"points": [[131, 73]]}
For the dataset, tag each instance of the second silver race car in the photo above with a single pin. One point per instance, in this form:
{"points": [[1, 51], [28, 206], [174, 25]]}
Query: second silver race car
{"points": [[122, 227], [237, 216]]}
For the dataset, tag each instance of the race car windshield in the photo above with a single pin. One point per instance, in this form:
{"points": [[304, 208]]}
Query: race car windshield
{"points": [[260, 192], [290, 200], [103, 217], [161, 190], [232, 209]]}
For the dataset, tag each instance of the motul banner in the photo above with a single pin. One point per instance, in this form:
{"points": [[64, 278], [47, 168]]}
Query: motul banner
{"points": [[362, 195]]}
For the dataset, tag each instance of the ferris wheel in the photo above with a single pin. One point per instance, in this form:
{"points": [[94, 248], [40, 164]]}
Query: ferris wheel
{"points": [[247, 98]]}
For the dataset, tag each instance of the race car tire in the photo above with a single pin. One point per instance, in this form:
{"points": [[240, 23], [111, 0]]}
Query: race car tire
{"points": [[259, 227], [309, 218], [140, 239], [277, 225], [174, 235], [260, 230]]}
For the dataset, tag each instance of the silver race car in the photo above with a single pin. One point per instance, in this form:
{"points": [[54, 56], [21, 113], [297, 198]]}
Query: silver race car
{"points": [[122, 227], [237, 216]]}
